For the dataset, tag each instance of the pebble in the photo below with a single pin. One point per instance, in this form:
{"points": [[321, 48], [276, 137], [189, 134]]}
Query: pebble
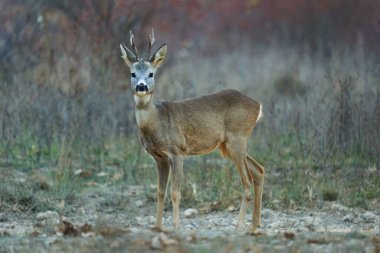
{"points": [[139, 203], [348, 218], [156, 243], [266, 213], [339, 207], [151, 219], [189, 226], [140, 221], [307, 220], [231, 208], [48, 218], [191, 213], [369, 217]]}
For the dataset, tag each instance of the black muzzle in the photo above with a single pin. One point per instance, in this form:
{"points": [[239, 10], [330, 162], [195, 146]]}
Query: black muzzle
{"points": [[141, 87]]}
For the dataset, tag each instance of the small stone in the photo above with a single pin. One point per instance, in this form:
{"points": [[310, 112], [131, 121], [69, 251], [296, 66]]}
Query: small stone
{"points": [[231, 208], [230, 228], [140, 221], [339, 207], [348, 218], [102, 174], [139, 203], [369, 217], [156, 243], [189, 226], [165, 240], [151, 219], [48, 218], [3, 217], [307, 221], [77, 172], [266, 213], [190, 213]]}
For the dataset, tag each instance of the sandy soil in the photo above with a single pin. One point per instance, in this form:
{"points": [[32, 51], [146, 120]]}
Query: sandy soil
{"points": [[93, 226]]}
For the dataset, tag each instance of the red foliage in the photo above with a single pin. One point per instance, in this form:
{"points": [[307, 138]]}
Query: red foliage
{"points": [[206, 25]]}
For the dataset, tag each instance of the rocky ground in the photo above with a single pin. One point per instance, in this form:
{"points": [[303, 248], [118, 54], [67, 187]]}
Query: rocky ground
{"points": [[94, 226]]}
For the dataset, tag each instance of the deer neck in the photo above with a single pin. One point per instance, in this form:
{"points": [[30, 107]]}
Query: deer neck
{"points": [[145, 110]]}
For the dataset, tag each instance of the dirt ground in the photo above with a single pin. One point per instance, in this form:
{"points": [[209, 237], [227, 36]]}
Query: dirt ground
{"points": [[95, 225]]}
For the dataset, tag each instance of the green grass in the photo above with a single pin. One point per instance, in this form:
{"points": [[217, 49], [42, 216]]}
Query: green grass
{"points": [[292, 180]]}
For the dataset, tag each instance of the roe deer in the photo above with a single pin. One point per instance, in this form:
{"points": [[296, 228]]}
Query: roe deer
{"points": [[170, 130]]}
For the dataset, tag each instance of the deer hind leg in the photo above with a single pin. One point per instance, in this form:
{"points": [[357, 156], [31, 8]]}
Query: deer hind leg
{"points": [[236, 151], [256, 174]]}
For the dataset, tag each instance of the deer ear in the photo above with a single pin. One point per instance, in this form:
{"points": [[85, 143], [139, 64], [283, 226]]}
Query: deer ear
{"points": [[127, 55], [159, 56]]}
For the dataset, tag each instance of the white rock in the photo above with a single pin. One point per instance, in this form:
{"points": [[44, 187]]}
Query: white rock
{"points": [[190, 213], [77, 172], [151, 219], [189, 226], [140, 221], [266, 213], [48, 218], [307, 221], [102, 174], [156, 243], [348, 218], [339, 207], [139, 203], [369, 217], [230, 228]]}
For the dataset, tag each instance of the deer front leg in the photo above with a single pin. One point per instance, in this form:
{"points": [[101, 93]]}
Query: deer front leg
{"points": [[176, 170], [163, 174]]}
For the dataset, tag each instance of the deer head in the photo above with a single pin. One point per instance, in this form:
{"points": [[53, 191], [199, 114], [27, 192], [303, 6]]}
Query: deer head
{"points": [[143, 70]]}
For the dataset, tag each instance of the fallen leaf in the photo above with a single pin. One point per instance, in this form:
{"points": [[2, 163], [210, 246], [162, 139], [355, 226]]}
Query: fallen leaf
{"points": [[289, 235], [91, 183], [117, 176], [86, 228], [68, 229], [85, 174], [315, 241], [111, 231]]}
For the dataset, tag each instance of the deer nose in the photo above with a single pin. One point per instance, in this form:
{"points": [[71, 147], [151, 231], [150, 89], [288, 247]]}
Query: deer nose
{"points": [[141, 87]]}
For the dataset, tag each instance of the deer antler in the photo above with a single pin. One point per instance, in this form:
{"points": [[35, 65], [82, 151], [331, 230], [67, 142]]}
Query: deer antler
{"points": [[151, 41], [132, 41]]}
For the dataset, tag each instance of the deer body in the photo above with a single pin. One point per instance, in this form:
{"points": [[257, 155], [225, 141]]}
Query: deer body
{"points": [[178, 127], [170, 130]]}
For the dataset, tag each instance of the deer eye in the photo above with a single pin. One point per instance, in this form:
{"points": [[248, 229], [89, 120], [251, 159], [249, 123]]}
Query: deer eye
{"points": [[150, 74], [133, 75]]}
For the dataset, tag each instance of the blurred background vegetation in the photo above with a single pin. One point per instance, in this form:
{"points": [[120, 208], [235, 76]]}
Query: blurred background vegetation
{"points": [[65, 103]]}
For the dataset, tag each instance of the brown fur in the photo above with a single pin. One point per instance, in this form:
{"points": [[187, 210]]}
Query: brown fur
{"points": [[170, 130]]}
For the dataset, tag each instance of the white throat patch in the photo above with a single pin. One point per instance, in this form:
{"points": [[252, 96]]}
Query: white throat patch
{"points": [[142, 98]]}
